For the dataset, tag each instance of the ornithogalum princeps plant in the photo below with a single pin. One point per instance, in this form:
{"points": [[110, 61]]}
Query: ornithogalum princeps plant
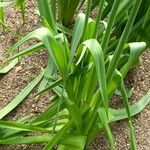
{"points": [[64, 11], [83, 75]]}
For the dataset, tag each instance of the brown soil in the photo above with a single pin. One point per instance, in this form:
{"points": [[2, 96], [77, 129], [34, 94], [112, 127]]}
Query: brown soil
{"points": [[12, 83], [139, 79]]}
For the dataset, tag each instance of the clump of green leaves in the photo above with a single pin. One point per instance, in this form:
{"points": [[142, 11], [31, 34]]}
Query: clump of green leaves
{"points": [[83, 75]]}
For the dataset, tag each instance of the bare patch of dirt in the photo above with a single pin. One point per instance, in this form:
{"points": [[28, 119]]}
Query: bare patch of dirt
{"points": [[13, 82]]}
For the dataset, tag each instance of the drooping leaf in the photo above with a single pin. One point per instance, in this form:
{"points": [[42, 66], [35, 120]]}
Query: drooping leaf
{"points": [[136, 49], [128, 110], [21, 127], [8, 133], [136, 108], [8, 67], [54, 48], [26, 140], [29, 50], [97, 54]]}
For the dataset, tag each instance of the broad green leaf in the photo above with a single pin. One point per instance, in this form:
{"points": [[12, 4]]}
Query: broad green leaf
{"points": [[54, 48], [52, 85], [58, 136], [19, 2], [90, 29], [50, 70], [26, 140], [27, 51], [57, 82], [21, 127], [74, 112], [48, 113], [104, 121], [77, 34], [89, 82], [7, 68], [136, 108], [113, 84], [7, 133], [87, 16], [66, 11], [40, 34], [97, 54], [129, 92], [73, 141], [99, 17], [64, 29], [111, 21], [98, 58], [53, 7], [128, 110], [136, 49], [123, 8], [77, 141], [47, 14]]}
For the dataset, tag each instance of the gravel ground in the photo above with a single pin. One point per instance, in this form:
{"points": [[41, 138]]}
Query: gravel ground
{"points": [[139, 79], [12, 83]]}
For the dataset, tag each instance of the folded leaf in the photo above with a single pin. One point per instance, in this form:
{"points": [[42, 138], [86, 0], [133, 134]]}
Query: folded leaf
{"points": [[7, 68], [136, 108]]}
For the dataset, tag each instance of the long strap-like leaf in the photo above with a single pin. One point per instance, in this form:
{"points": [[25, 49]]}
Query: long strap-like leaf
{"points": [[136, 108], [7, 68]]}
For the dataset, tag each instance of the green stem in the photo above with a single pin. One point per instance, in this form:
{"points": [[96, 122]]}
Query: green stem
{"points": [[89, 4], [2, 16], [46, 12], [53, 7], [125, 99], [101, 5], [128, 110], [112, 18]]}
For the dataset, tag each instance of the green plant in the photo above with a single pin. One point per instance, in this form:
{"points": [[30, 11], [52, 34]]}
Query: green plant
{"points": [[83, 75], [1, 14], [65, 13], [140, 29], [18, 3], [66, 10]]}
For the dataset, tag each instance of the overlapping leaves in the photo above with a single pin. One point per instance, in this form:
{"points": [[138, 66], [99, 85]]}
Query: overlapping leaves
{"points": [[87, 75]]}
